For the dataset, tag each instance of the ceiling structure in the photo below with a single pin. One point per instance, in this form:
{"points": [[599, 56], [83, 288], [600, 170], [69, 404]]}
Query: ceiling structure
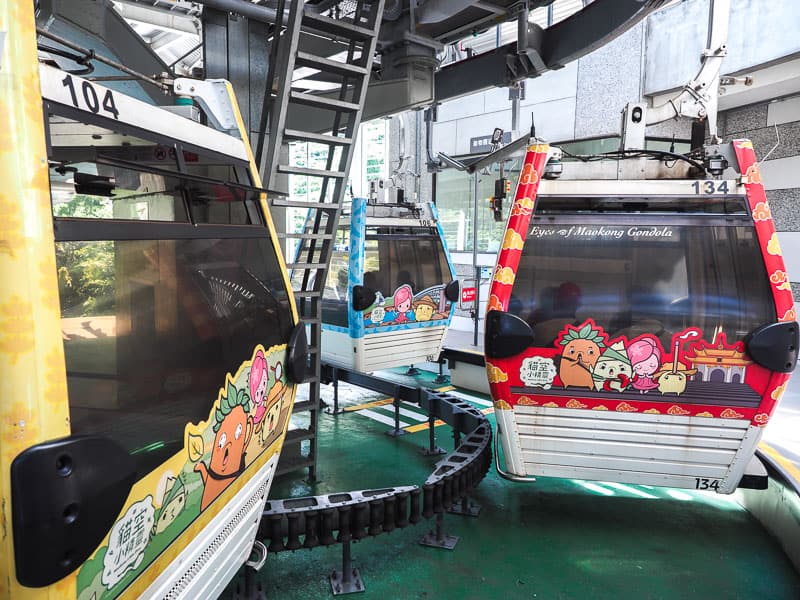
{"points": [[429, 51]]}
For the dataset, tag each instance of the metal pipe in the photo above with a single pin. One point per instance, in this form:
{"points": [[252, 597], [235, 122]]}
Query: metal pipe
{"points": [[522, 29], [418, 157], [252, 11], [515, 109], [90, 55], [430, 117], [475, 256]]}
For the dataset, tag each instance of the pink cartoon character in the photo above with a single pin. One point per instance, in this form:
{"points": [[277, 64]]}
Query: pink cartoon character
{"points": [[645, 354], [259, 378], [403, 299]]}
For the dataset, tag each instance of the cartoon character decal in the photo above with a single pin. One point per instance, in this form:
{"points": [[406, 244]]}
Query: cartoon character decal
{"points": [[645, 355], [598, 372], [403, 300], [672, 376], [612, 371], [424, 309], [171, 506], [404, 307], [166, 502], [274, 404], [268, 404], [582, 348], [233, 427], [259, 377]]}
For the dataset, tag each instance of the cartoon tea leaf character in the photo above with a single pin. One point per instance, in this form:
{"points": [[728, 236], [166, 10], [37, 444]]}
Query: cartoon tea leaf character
{"points": [[581, 350], [233, 427], [195, 447], [613, 372]]}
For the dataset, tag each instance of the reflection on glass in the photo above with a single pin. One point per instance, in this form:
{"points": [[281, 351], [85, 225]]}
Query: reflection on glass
{"points": [[455, 204], [647, 278], [392, 257], [131, 194], [151, 327], [97, 173]]}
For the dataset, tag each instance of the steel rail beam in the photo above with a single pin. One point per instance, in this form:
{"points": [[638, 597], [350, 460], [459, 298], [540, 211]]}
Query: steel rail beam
{"points": [[574, 37]]}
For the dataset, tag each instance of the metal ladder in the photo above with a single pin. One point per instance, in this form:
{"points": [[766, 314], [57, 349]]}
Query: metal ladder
{"points": [[356, 28]]}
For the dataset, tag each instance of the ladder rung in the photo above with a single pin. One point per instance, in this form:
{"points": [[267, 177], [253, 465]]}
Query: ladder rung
{"points": [[307, 293], [323, 102], [310, 172], [303, 406], [297, 435], [336, 27], [304, 204], [320, 138], [304, 265], [305, 236], [306, 59]]}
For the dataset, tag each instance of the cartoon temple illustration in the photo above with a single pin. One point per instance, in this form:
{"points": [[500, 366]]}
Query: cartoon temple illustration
{"points": [[719, 362]]}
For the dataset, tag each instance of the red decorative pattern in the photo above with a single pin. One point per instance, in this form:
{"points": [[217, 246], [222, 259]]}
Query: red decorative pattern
{"points": [[509, 255], [504, 373], [765, 230]]}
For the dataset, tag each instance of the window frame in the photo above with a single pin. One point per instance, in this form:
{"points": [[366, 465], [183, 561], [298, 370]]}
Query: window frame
{"points": [[241, 168]]}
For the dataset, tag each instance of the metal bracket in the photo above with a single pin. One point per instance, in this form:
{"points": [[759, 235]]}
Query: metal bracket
{"points": [[438, 538], [699, 98], [261, 552], [213, 97]]}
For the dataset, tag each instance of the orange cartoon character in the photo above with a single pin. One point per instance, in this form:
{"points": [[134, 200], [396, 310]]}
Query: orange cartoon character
{"points": [[582, 347], [233, 428]]}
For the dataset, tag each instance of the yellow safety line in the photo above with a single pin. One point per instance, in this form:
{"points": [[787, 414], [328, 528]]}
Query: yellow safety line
{"points": [[372, 404], [790, 467], [385, 401], [437, 422], [410, 428], [422, 426]]}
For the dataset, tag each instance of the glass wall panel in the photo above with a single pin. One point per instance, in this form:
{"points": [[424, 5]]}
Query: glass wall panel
{"points": [[455, 203]]}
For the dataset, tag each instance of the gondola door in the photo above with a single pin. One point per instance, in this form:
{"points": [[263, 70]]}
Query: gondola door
{"points": [[639, 331]]}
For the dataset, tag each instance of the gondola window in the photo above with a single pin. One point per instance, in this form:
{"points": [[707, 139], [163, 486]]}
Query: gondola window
{"points": [[645, 274], [167, 281]]}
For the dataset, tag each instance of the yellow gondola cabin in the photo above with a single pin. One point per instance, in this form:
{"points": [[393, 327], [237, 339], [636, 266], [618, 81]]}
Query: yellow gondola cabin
{"points": [[148, 339]]}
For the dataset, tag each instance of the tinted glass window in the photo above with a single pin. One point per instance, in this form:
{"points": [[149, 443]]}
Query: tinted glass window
{"points": [[641, 278], [728, 205], [151, 328], [153, 316], [335, 296], [100, 191], [215, 202], [413, 256], [101, 173]]}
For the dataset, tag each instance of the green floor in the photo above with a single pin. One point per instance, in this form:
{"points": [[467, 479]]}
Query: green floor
{"points": [[551, 539]]}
